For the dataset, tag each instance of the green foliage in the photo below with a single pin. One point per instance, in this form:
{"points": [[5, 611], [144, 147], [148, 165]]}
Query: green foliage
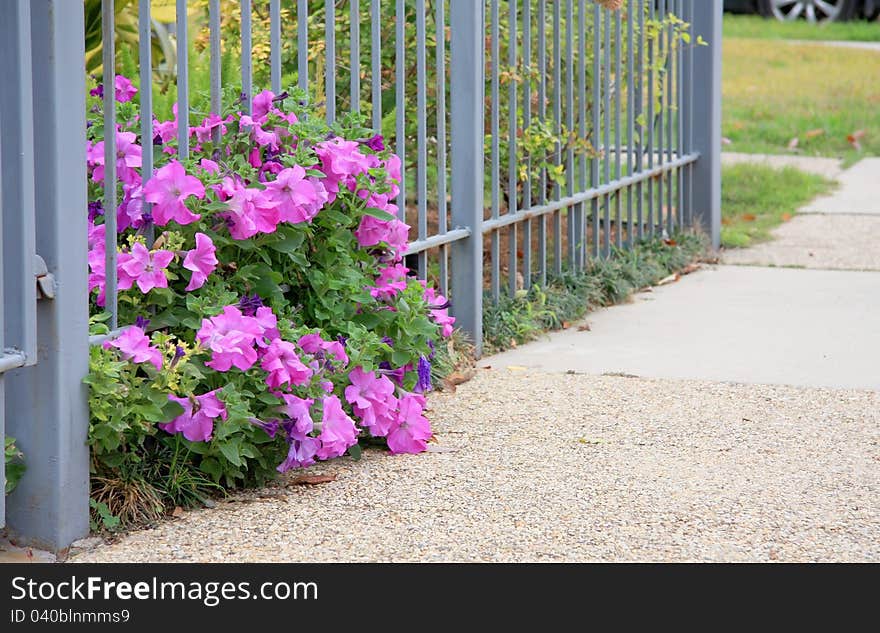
{"points": [[100, 517], [14, 464], [567, 298]]}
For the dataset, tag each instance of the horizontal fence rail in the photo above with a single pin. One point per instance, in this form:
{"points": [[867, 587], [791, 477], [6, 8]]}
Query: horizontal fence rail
{"points": [[583, 116]]}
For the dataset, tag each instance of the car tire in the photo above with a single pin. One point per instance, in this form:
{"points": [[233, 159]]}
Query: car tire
{"points": [[806, 9]]}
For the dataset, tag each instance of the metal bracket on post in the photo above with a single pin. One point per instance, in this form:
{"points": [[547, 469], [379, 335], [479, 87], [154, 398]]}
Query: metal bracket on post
{"points": [[467, 94], [45, 279]]}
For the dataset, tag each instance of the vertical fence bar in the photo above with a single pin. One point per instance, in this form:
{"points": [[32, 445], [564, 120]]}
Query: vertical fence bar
{"points": [[247, 63], [442, 210], [671, 116], [355, 17], [680, 110], [649, 123], [706, 110], [49, 414], [527, 121], [376, 64], [421, 136], [302, 44], [640, 109], [630, 119], [688, 118], [183, 81], [467, 97], [17, 176], [495, 273], [330, 59], [569, 122], [400, 98], [216, 62], [580, 255], [596, 141], [275, 45], [606, 129], [542, 117], [145, 63], [511, 147], [618, 88], [661, 115], [557, 129], [108, 17]]}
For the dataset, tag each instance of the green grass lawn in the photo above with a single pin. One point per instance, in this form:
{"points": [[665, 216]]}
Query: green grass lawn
{"points": [[776, 91], [756, 27], [757, 198]]}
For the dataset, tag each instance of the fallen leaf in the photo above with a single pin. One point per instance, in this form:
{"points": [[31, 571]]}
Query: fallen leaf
{"points": [[725, 140], [178, 512], [786, 217], [584, 440], [486, 367], [585, 328], [690, 268], [793, 144], [670, 242], [814, 133], [748, 217], [726, 221], [516, 368], [854, 139], [513, 343], [669, 280], [312, 480], [566, 325], [456, 378]]}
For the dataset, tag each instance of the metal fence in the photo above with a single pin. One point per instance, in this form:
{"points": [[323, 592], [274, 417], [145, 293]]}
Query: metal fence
{"points": [[535, 135]]}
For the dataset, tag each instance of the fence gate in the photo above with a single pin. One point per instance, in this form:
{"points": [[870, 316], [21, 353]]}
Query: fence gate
{"points": [[43, 283]]}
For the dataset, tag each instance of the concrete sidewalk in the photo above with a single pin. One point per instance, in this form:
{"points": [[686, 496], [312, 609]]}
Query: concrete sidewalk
{"points": [[730, 323]]}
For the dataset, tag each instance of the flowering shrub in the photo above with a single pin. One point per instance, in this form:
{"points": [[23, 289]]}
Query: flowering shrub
{"points": [[272, 321]]}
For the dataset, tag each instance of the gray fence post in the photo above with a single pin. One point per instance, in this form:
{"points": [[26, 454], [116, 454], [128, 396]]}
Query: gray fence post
{"points": [[467, 90], [49, 413], [706, 112]]}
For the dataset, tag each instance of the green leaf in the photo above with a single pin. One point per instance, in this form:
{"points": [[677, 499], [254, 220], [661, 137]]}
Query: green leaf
{"points": [[230, 451], [379, 214]]}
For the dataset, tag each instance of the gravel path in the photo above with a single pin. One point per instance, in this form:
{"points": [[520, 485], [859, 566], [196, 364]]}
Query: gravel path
{"points": [[544, 467]]}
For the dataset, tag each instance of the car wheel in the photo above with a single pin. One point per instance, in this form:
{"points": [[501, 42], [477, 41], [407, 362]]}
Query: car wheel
{"points": [[810, 10]]}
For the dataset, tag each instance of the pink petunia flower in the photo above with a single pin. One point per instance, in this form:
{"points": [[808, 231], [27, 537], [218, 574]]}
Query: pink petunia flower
{"points": [[283, 365], [143, 267], [298, 198], [413, 429], [201, 261], [133, 344], [251, 211], [338, 431], [342, 162], [125, 90], [231, 337], [439, 310], [168, 190], [262, 103], [372, 399], [392, 280], [128, 159], [298, 410], [196, 423]]}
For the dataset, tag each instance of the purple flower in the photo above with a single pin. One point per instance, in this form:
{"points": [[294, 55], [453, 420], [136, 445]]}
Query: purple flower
{"points": [[141, 322], [375, 143], [270, 426], [249, 304], [423, 370], [96, 208], [97, 91]]}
